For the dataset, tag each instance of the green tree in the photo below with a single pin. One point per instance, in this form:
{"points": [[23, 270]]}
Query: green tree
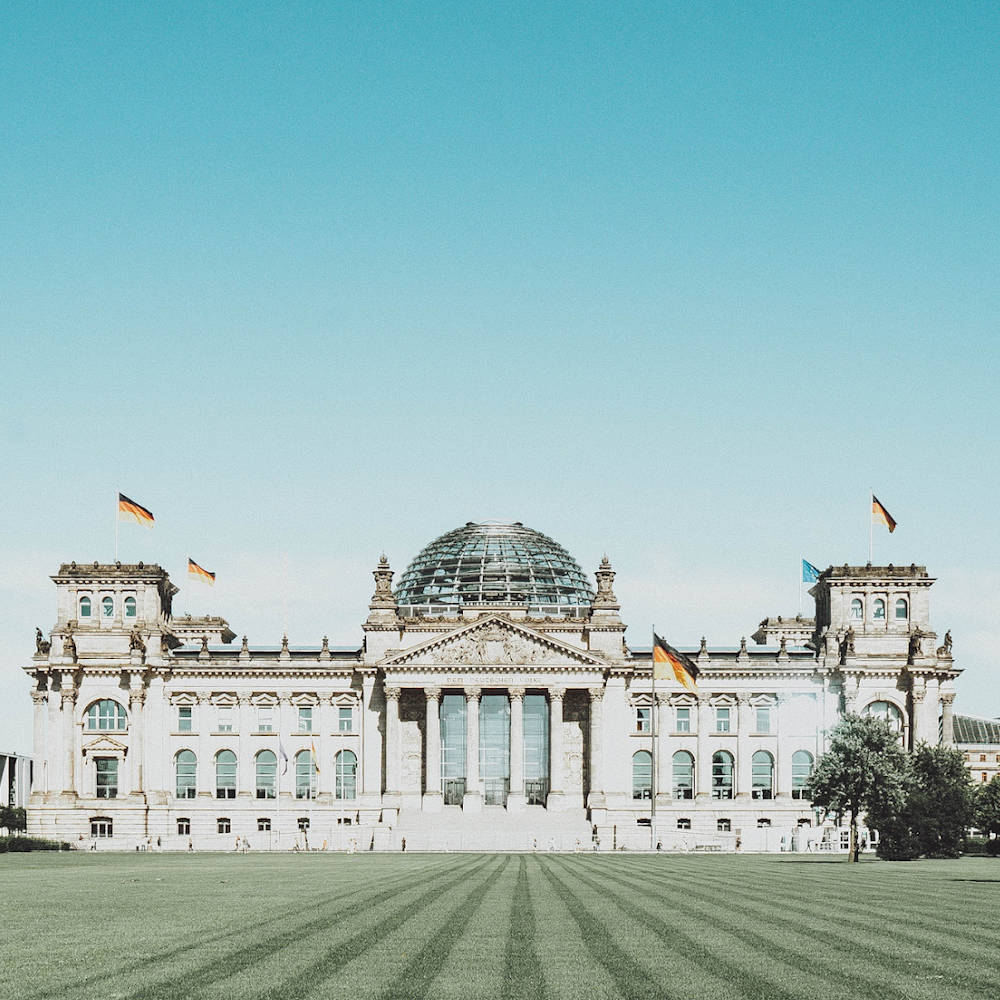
{"points": [[864, 771], [988, 807], [13, 818]]}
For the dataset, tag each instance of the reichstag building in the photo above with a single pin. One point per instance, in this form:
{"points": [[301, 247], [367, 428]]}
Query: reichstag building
{"points": [[492, 703]]}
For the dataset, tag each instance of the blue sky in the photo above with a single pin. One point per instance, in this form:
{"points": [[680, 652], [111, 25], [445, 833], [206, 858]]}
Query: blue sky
{"points": [[675, 282]]}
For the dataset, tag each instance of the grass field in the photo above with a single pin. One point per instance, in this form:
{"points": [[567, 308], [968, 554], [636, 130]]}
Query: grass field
{"points": [[125, 927]]}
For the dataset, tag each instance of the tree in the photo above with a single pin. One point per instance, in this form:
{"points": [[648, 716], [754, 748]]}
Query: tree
{"points": [[988, 807], [864, 771], [13, 818]]}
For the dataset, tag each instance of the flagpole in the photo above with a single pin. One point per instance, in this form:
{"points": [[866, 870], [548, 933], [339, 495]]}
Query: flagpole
{"points": [[871, 507], [117, 495], [654, 725]]}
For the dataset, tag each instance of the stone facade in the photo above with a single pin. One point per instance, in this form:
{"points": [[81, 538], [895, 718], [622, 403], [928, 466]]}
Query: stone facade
{"points": [[143, 732]]}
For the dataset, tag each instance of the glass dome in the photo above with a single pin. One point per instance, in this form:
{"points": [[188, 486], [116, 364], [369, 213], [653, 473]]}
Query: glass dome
{"points": [[493, 563]]}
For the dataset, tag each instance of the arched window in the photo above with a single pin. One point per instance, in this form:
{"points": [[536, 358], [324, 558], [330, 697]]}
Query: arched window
{"points": [[267, 774], [857, 609], [902, 609], [108, 607], [887, 711], [305, 775], [106, 716], [722, 775], [225, 775], [878, 609], [130, 607], [347, 775], [802, 765], [642, 775], [186, 768], [85, 607], [683, 775], [762, 775]]}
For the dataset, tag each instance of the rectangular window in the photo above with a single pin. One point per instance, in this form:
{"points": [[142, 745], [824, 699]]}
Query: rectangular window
{"points": [[722, 720], [682, 722], [345, 719], [107, 777], [763, 823], [305, 719], [982, 758], [225, 719], [265, 718], [303, 823], [184, 719], [263, 824], [101, 826], [643, 719], [684, 824], [223, 825], [724, 825], [763, 718], [184, 827]]}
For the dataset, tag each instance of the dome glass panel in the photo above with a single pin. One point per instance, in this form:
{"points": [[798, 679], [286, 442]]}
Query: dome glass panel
{"points": [[493, 563]]}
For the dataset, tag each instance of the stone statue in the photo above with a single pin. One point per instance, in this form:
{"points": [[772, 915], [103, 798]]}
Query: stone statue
{"points": [[135, 642], [947, 642], [69, 648], [41, 646], [849, 639], [914, 648]]}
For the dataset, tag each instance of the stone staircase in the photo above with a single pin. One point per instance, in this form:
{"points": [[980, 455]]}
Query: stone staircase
{"points": [[493, 829]]}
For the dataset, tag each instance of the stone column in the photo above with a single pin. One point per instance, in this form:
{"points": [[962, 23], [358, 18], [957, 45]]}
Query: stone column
{"points": [[154, 748], [136, 705], [68, 699], [473, 799], [283, 725], [205, 779], [556, 780], [664, 765], [393, 742], [371, 743], [947, 719], [596, 799], [929, 729], [39, 749], [54, 738], [433, 799], [245, 765], [516, 798], [703, 765], [744, 748]]}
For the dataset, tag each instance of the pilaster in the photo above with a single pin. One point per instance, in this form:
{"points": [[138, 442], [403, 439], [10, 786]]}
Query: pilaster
{"points": [[473, 798], [556, 777], [516, 798], [432, 800]]}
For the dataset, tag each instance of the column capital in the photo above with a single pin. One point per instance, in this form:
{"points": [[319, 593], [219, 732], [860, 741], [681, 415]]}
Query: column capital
{"points": [[41, 697], [663, 697], [947, 697], [284, 699], [136, 696], [473, 693], [557, 693], [515, 693], [243, 699], [596, 694], [918, 692], [68, 695], [392, 693], [432, 693]]}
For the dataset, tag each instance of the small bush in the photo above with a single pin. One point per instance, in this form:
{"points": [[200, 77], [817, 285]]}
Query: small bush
{"points": [[975, 846], [21, 845], [993, 847]]}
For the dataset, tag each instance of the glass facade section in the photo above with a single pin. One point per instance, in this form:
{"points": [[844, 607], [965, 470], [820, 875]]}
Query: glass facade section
{"points": [[453, 748], [225, 775], [347, 775], [683, 775], [106, 715], [493, 563], [305, 775], [536, 749], [107, 777], [722, 775], [642, 775], [762, 775], [267, 773], [186, 765], [494, 748], [802, 763]]}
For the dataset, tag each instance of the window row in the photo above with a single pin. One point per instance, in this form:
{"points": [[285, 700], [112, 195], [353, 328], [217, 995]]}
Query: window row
{"points": [[902, 609], [345, 763], [982, 758], [724, 718], [267, 715], [723, 772], [726, 825], [107, 606]]}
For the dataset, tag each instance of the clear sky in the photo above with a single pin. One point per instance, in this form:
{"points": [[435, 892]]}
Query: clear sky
{"points": [[679, 283]]}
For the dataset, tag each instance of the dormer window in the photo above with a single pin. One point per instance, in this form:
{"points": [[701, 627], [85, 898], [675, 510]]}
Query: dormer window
{"points": [[84, 607], [902, 609], [130, 607], [857, 609], [878, 610], [107, 607]]}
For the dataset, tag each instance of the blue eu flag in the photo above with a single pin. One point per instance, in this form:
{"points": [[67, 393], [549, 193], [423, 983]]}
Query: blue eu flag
{"points": [[809, 572]]}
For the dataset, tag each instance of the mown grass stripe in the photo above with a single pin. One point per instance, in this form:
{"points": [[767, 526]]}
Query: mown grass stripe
{"points": [[335, 957], [248, 953], [522, 967], [415, 978]]}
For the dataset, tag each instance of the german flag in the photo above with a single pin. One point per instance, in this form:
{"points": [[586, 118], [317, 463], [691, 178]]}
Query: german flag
{"points": [[672, 664], [197, 573], [129, 510], [879, 513]]}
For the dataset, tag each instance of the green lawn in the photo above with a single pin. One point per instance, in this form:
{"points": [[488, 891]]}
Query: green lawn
{"points": [[125, 927]]}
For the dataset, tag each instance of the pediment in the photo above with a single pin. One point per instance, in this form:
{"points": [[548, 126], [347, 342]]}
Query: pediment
{"points": [[104, 744], [494, 641]]}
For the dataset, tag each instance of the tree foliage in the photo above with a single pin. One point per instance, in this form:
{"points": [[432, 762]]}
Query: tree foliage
{"points": [[13, 818], [864, 771], [988, 807], [937, 808]]}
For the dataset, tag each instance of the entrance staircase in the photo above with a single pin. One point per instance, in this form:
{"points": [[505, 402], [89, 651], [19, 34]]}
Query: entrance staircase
{"points": [[493, 829]]}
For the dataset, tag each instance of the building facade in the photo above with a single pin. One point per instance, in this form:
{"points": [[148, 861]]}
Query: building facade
{"points": [[979, 741], [492, 703]]}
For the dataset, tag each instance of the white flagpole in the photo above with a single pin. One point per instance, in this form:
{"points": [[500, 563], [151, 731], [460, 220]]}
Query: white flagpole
{"points": [[654, 718], [117, 495], [871, 522]]}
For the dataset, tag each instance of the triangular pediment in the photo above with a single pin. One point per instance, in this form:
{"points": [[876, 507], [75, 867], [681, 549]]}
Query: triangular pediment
{"points": [[104, 744], [494, 641]]}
